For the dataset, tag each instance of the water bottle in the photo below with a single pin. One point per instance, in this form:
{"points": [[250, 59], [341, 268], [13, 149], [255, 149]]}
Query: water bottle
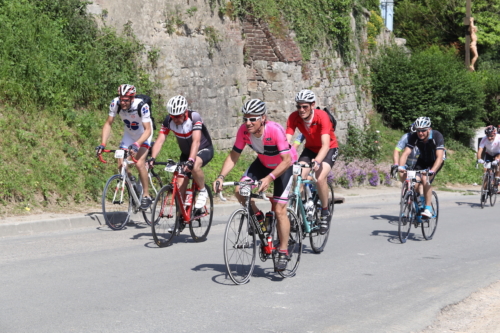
{"points": [[268, 222], [189, 197]]}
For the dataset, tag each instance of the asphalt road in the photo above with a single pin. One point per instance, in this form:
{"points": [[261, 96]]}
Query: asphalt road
{"points": [[97, 280]]}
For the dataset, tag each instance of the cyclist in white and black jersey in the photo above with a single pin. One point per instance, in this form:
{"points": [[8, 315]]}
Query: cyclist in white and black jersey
{"points": [[412, 158], [193, 139], [490, 145], [138, 132], [431, 145]]}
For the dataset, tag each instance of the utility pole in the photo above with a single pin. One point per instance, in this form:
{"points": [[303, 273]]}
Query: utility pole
{"points": [[467, 32]]}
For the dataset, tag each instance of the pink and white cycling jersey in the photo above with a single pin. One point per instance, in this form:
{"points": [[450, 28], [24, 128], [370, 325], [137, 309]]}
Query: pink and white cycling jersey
{"points": [[268, 147], [492, 147]]}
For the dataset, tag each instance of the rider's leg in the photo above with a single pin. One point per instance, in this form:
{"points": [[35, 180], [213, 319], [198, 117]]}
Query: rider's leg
{"points": [[283, 224], [197, 172], [322, 184], [143, 171]]}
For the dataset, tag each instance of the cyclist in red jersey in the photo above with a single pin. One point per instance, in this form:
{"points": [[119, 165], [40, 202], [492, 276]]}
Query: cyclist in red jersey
{"points": [[321, 145], [273, 165]]}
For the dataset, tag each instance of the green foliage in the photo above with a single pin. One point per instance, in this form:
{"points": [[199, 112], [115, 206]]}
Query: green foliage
{"points": [[191, 10], [315, 23], [360, 144], [491, 83], [430, 83], [64, 60], [213, 39], [373, 29]]}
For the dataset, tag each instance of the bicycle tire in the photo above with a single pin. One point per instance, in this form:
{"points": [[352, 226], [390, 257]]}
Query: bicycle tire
{"points": [[240, 248], [294, 246], [316, 238], [155, 185], [331, 200], [484, 189], [429, 226], [166, 216], [493, 189], [406, 216], [116, 207], [200, 227]]}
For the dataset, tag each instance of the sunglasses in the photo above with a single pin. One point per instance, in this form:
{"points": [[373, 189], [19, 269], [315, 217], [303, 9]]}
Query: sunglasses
{"points": [[177, 117], [301, 107], [252, 119], [126, 100], [422, 130]]}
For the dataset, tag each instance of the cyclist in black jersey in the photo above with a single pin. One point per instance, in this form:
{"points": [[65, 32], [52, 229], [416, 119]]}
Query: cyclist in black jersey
{"points": [[432, 153]]}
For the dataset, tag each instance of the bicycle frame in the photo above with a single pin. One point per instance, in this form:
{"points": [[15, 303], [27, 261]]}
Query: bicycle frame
{"points": [[266, 241], [299, 206], [185, 213], [412, 180]]}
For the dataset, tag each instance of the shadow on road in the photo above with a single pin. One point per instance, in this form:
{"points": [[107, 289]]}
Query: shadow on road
{"points": [[472, 205], [224, 279], [392, 219]]}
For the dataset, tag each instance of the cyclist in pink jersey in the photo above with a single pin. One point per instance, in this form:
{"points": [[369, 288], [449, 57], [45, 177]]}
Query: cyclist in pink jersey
{"points": [[321, 145], [273, 164]]}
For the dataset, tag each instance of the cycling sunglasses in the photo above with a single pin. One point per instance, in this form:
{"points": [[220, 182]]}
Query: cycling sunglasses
{"points": [[177, 117], [422, 130], [302, 107], [252, 119]]}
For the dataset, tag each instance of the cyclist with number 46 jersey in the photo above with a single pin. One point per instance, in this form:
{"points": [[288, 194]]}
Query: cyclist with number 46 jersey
{"points": [[137, 134], [273, 164]]}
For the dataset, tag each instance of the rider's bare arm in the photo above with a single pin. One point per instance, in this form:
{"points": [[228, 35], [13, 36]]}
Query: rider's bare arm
{"points": [[395, 156], [404, 156], [146, 134], [158, 144], [479, 153], [106, 129], [439, 160], [195, 145]]}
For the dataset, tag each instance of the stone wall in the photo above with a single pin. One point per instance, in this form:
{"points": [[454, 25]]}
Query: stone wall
{"points": [[247, 62]]}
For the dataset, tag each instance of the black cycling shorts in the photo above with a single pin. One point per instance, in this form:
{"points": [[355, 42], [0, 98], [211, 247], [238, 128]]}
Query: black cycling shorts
{"points": [[206, 155], [282, 184], [422, 165], [330, 158], [489, 158]]}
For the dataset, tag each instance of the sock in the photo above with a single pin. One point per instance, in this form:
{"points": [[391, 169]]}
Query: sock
{"points": [[429, 208], [203, 190], [324, 211], [283, 251]]}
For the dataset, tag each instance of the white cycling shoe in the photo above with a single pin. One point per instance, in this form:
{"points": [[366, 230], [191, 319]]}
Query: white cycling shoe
{"points": [[427, 213], [201, 200]]}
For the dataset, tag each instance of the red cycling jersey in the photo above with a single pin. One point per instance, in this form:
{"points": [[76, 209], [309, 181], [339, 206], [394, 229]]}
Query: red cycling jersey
{"points": [[320, 124]]}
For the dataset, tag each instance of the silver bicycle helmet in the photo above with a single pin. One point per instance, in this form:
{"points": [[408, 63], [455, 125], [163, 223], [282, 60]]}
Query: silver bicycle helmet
{"points": [[177, 105], [305, 96], [422, 122], [254, 106], [126, 90]]}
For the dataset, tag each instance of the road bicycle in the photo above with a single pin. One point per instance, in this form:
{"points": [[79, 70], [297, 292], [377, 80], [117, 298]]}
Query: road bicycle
{"points": [[240, 242], [123, 193], [307, 206], [172, 212], [490, 184], [411, 209]]}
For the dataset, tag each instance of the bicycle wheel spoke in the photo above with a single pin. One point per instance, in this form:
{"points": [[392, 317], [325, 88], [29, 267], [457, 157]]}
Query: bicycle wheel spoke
{"points": [[201, 222], [406, 217], [239, 248], [155, 184], [429, 226], [165, 215], [294, 245], [116, 203], [317, 239]]}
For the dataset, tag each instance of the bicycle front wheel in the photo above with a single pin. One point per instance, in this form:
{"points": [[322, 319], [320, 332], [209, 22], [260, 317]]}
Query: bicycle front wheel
{"points": [[429, 226], [406, 216], [166, 216], [493, 189], [201, 218], [239, 247], [484, 189], [318, 239], [116, 203], [294, 245], [155, 184], [331, 200]]}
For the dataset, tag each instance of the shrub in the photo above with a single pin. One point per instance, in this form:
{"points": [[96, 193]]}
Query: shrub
{"points": [[432, 83], [360, 144]]}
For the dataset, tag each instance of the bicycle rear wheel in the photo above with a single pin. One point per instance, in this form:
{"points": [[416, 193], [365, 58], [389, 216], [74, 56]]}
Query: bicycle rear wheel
{"points": [[294, 245], [406, 216], [429, 226], [166, 215], [155, 184], [484, 189], [116, 203], [493, 189], [331, 200], [240, 247], [317, 239], [201, 218]]}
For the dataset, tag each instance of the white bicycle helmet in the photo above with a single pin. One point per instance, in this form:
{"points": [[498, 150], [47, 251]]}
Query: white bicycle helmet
{"points": [[305, 96], [177, 105], [254, 106], [422, 122], [126, 90]]}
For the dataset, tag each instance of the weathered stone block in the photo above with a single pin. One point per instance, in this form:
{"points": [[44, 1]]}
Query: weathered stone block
{"points": [[273, 76]]}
